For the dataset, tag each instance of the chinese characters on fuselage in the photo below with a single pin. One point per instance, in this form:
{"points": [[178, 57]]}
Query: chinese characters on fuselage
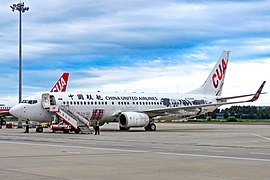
{"points": [[163, 101]]}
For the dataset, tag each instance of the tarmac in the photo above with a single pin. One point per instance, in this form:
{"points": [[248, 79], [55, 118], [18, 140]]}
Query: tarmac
{"points": [[174, 151]]}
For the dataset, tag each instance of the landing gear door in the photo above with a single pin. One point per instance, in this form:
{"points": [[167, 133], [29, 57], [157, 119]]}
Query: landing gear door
{"points": [[46, 101]]}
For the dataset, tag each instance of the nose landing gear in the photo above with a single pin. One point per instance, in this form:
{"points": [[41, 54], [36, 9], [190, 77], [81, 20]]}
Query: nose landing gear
{"points": [[39, 129]]}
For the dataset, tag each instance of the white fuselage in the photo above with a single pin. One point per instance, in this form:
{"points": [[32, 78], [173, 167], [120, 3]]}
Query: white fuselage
{"points": [[111, 104]]}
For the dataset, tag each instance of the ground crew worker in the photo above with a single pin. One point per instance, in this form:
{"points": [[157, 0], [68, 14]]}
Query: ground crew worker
{"points": [[27, 126], [97, 127]]}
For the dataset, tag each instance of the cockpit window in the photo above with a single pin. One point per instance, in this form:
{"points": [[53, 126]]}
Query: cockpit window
{"points": [[32, 102], [29, 101]]}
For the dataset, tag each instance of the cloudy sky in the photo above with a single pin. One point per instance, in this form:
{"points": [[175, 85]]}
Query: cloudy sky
{"points": [[138, 45]]}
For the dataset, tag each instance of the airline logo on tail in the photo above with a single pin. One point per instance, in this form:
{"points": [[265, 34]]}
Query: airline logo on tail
{"points": [[61, 84], [214, 82], [218, 75]]}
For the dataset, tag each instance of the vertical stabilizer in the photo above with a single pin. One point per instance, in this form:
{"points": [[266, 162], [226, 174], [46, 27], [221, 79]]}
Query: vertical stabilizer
{"points": [[214, 83], [61, 84]]}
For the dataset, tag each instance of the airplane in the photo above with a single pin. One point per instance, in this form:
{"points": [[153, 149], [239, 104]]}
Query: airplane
{"points": [[81, 110], [60, 86], [4, 112]]}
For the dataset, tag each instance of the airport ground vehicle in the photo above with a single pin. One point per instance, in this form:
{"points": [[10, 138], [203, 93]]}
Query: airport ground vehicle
{"points": [[61, 127], [45, 125]]}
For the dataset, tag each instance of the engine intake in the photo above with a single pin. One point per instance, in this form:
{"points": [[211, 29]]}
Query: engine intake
{"points": [[133, 119]]}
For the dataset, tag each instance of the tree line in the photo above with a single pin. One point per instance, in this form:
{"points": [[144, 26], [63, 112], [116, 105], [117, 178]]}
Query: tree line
{"points": [[241, 112]]}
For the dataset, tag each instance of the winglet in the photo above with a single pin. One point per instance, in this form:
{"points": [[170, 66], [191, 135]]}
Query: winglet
{"points": [[61, 84], [257, 94]]}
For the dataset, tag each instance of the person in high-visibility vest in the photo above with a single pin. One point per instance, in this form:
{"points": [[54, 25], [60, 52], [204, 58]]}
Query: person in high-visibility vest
{"points": [[27, 126], [97, 127]]}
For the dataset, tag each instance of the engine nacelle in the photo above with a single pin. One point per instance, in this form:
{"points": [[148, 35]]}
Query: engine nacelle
{"points": [[133, 119]]}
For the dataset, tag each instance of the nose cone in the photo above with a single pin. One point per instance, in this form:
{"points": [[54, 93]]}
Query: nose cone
{"points": [[16, 111]]}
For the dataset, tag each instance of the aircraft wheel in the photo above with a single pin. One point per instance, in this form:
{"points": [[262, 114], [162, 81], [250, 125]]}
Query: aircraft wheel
{"points": [[153, 127], [150, 127], [39, 129], [3, 122]]}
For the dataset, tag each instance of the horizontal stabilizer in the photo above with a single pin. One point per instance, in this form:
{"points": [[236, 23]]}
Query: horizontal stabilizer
{"points": [[235, 97], [258, 93]]}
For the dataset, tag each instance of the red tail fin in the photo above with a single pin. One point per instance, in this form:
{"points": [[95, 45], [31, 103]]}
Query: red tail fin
{"points": [[61, 84]]}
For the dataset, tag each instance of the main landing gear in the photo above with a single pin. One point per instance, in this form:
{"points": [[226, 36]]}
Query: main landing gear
{"points": [[150, 127]]}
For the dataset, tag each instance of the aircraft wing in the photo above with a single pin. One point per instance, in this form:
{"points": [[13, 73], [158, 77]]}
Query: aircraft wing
{"points": [[4, 113], [193, 107], [235, 97]]}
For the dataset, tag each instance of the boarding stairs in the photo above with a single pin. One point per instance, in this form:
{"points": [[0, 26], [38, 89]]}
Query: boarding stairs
{"points": [[70, 116]]}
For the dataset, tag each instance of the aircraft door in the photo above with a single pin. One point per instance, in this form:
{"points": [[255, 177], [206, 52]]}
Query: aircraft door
{"points": [[46, 101], [52, 100]]}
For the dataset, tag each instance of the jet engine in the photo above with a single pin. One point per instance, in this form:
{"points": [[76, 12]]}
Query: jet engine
{"points": [[133, 119]]}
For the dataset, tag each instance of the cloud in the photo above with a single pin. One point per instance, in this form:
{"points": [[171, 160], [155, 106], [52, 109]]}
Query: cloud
{"points": [[140, 45], [241, 78]]}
